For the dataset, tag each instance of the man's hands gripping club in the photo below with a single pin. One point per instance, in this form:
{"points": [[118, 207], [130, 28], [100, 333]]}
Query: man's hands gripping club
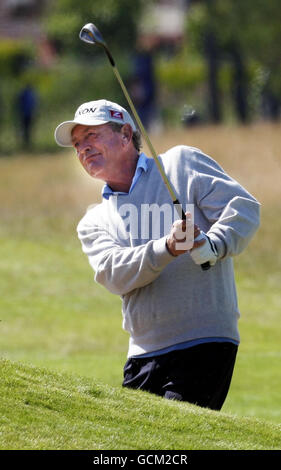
{"points": [[186, 236]]}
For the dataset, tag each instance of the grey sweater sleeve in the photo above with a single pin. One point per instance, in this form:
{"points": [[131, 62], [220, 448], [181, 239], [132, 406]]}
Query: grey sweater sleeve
{"points": [[232, 212], [121, 269]]}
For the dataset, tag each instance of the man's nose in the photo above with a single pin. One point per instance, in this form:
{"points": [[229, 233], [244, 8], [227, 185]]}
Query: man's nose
{"points": [[84, 149]]}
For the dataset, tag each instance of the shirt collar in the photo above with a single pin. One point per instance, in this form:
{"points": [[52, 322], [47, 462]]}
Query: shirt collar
{"points": [[141, 166]]}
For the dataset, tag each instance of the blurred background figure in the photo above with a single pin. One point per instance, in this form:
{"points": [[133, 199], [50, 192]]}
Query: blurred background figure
{"points": [[27, 105], [142, 84]]}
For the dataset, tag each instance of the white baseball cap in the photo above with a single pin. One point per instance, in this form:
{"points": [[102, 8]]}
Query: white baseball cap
{"points": [[92, 113]]}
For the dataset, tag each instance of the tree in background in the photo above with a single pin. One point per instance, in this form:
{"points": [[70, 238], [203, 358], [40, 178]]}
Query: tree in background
{"points": [[239, 41], [83, 70], [116, 19], [243, 33]]}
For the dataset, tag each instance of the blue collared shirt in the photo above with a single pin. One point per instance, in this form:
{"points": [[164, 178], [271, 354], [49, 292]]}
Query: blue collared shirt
{"points": [[140, 168]]}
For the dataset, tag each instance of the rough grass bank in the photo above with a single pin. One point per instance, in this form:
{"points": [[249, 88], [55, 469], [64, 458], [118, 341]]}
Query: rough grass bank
{"points": [[41, 409]]}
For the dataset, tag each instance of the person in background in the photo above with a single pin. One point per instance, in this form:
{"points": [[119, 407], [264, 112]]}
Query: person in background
{"points": [[27, 105]]}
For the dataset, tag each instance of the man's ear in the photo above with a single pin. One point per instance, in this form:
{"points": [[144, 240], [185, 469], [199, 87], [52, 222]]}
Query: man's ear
{"points": [[127, 133]]}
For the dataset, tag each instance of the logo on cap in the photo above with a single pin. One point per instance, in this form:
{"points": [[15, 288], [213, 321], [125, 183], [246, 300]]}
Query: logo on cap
{"points": [[85, 110], [116, 114]]}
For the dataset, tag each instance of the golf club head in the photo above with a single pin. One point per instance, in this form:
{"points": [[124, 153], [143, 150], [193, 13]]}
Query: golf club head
{"points": [[90, 34]]}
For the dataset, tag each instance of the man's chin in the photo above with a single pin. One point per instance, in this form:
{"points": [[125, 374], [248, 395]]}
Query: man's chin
{"points": [[94, 172]]}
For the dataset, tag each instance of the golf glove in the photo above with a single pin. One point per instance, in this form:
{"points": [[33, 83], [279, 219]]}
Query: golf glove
{"points": [[205, 252]]}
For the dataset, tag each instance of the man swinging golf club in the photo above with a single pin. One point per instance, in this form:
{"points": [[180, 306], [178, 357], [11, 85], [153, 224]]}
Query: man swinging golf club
{"points": [[181, 316], [182, 321]]}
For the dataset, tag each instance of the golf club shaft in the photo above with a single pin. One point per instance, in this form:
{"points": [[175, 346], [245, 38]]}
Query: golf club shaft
{"points": [[149, 144], [176, 202]]}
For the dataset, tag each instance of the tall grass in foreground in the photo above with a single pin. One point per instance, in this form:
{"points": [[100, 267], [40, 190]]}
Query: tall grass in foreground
{"points": [[53, 314]]}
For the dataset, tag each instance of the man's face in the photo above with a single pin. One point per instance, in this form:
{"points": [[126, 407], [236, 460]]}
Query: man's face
{"points": [[99, 149]]}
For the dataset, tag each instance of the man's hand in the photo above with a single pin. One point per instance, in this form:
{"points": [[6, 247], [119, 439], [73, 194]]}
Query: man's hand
{"points": [[182, 236], [206, 252]]}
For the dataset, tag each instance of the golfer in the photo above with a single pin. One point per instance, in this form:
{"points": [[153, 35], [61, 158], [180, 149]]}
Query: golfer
{"points": [[182, 321]]}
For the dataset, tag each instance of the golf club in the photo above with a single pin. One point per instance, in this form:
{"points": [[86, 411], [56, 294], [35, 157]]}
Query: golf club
{"points": [[91, 35]]}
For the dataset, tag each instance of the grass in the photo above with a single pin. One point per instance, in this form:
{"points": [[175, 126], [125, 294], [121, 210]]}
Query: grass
{"points": [[54, 315], [48, 410]]}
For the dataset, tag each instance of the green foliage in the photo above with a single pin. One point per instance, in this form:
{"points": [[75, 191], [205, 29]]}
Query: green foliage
{"points": [[182, 72], [251, 26], [14, 56], [82, 73], [61, 89], [116, 20], [71, 83], [79, 74], [181, 79]]}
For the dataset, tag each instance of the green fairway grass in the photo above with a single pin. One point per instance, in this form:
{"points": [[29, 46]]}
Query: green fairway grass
{"points": [[41, 409], [53, 314]]}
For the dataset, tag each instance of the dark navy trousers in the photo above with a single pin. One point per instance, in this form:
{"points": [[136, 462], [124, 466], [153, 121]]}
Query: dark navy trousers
{"points": [[200, 374]]}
